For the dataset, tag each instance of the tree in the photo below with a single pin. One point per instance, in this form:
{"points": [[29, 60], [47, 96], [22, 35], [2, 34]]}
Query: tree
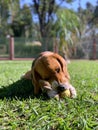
{"points": [[15, 20], [67, 25], [46, 9], [93, 24], [3, 17], [46, 13], [22, 22], [8, 10], [89, 24]]}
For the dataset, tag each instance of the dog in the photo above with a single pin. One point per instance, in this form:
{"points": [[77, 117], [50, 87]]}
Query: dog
{"points": [[49, 74]]}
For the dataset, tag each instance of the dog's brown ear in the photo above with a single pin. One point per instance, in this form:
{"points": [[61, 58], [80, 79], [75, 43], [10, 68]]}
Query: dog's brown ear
{"points": [[35, 81], [63, 64]]}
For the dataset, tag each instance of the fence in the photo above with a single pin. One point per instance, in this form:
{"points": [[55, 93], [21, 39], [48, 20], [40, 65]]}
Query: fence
{"points": [[25, 49], [4, 48], [22, 48], [88, 48]]}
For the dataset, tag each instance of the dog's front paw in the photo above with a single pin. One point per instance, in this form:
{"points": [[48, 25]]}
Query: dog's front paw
{"points": [[73, 91]]}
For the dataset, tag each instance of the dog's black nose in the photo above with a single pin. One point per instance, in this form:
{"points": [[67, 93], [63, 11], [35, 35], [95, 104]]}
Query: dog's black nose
{"points": [[61, 88]]}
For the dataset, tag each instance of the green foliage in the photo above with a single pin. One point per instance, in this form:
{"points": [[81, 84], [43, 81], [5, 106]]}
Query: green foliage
{"points": [[15, 20], [22, 22], [55, 21], [26, 51], [7, 11], [3, 17], [19, 109], [66, 27]]}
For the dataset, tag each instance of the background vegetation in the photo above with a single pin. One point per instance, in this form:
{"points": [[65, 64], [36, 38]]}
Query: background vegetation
{"points": [[20, 110], [42, 20]]}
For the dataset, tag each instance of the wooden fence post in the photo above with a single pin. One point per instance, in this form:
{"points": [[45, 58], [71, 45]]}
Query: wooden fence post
{"points": [[11, 48]]}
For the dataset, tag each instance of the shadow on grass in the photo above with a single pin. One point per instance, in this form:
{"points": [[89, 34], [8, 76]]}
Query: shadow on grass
{"points": [[21, 89]]}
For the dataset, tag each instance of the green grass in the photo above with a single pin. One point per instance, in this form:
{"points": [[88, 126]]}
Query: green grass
{"points": [[20, 110]]}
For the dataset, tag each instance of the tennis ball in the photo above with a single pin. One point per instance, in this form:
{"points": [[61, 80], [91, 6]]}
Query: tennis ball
{"points": [[65, 93]]}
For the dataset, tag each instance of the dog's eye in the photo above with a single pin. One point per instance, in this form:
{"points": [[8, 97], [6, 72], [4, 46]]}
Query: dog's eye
{"points": [[57, 70]]}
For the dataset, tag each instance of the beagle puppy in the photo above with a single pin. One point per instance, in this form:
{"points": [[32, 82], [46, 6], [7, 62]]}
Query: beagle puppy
{"points": [[49, 74]]}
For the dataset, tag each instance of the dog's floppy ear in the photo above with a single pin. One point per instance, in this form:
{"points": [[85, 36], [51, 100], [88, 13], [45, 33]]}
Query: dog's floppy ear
{"points": [[35, 78], [63, 64]]}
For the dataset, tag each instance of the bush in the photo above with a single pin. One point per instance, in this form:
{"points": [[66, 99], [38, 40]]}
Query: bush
{"points": [[25, 51]]}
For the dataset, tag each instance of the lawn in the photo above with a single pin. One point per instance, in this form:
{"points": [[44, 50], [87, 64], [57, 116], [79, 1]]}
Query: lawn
{"points": [[20, 110]]}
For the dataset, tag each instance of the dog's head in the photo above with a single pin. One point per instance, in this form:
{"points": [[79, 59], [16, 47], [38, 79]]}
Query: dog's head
{"points": [[49, 67]]}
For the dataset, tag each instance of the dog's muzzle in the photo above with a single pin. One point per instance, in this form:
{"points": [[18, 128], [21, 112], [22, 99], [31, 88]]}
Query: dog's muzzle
{"points": [[58, 86]]}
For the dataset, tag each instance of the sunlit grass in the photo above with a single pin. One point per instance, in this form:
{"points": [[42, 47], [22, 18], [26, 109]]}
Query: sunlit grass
{"points": [[20, 110]]}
